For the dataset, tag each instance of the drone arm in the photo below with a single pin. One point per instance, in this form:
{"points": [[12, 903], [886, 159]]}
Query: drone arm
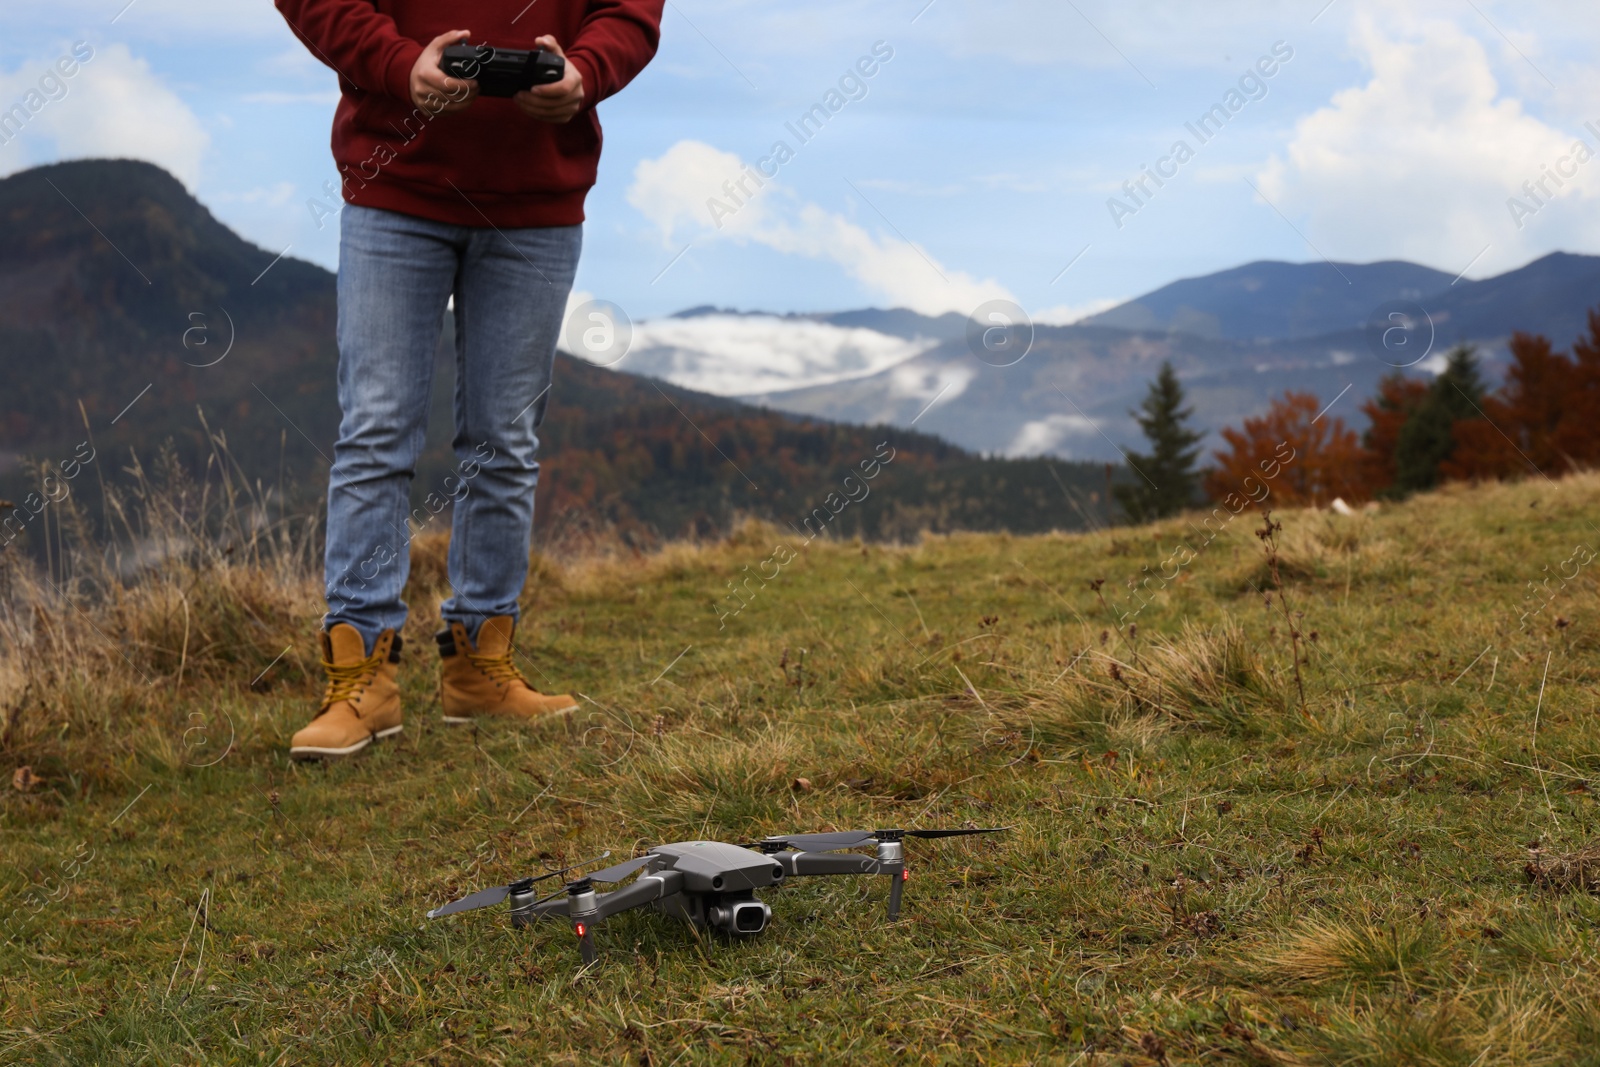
{"points": [[812, 863], [555, 908], [645, 888]]}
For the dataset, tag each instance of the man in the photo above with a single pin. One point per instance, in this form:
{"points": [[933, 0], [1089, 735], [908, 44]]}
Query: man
{"points": [[449, 195]]}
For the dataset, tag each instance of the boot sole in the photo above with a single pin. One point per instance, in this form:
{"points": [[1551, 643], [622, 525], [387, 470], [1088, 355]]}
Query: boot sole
{"points": [[465, 720], [307, 752]]}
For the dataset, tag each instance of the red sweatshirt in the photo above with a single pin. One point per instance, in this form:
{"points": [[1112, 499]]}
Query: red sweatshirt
{"points": [[507, 169]]}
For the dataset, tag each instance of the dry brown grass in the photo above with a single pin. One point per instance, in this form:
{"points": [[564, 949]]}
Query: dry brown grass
{"points": [[1567, 872], [1195, 873]]}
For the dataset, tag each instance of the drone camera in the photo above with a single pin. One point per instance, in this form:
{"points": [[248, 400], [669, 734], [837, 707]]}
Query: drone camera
{"points": [[777, 874], [743, 918]]}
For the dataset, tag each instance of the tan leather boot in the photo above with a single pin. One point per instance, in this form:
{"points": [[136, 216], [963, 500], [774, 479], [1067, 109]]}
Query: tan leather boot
{"points": [[362, 702], [482, 681]]}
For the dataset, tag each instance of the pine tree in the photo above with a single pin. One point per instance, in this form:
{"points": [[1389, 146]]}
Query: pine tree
{"points": [[1387, 413], [1166, 481], [1428, 436]]}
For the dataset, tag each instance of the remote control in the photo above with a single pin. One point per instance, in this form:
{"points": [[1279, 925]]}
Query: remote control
{"points": [[502, 71]]}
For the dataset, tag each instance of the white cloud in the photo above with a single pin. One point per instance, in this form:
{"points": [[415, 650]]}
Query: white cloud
{"points": [[926, 384], [675, 191], [1420, 161], [115, 107], [1044, 436], [740, 355], [1068, 314], [161, 17]]}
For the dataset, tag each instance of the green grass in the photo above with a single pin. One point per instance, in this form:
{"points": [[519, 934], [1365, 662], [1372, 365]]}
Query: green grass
{"points": [[1198, 870]]}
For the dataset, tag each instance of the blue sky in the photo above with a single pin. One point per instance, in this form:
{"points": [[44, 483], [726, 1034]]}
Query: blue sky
{"points": [[979, 162]]}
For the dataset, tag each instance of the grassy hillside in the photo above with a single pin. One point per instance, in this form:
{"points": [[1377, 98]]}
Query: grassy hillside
{"points": [[1203, 867]]}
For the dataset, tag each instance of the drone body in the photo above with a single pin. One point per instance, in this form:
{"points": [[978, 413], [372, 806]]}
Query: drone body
{"points": [[709, 884]]}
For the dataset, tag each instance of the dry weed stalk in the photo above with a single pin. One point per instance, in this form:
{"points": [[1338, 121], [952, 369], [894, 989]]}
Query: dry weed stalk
{"points": [[179, 581], [1269, 542]]}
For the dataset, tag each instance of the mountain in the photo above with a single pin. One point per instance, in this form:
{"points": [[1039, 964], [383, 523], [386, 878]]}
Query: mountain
{"points": [[130, 316], [1071, 395], [896, 322], [111, 276], [1269, 300], [1549, 296], [734, 354], [1238, 338], [746, 353], [117, 288]]}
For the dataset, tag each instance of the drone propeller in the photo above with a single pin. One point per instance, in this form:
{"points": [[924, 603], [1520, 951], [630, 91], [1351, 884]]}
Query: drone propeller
{"points": [[485, 898], [617, 872], [825, 842], [932, 834], [833, 842]]}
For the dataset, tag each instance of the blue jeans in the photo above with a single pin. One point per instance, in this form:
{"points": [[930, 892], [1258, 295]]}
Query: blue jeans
{"points": [[396, 273]]}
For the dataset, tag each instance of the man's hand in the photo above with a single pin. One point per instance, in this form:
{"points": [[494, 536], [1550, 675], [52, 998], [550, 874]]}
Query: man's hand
{"points": [[558, 101], [431, 88]]}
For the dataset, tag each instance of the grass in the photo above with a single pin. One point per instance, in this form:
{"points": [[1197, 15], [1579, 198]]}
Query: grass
{"points": [[1403, 872]]}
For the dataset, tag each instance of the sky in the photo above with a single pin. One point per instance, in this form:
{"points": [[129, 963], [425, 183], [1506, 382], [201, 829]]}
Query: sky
{"points": [[1010, 148]]}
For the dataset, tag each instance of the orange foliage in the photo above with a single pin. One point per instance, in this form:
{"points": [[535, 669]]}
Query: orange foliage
{"points": [[1397, 398], [1580, 434], [1291, 456], [1545, 418]]}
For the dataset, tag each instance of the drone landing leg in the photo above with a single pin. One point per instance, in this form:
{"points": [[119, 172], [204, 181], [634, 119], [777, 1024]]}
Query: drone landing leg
{"points": [[896, 882], [585, 942]]}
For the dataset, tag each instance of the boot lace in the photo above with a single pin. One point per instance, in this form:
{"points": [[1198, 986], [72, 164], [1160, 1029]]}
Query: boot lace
{"points": [[349, 680], [500, 667]]}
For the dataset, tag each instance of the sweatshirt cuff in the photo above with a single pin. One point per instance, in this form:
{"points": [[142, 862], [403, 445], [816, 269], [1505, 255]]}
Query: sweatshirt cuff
{"points": [[591, 82], [397, 78]]}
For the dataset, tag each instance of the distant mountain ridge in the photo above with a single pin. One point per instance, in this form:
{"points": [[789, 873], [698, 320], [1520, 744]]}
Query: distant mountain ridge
{"points": [[1071, 396], [1237, 338], [130, 315], [1273, 301], [896, 322], [109, 313]]}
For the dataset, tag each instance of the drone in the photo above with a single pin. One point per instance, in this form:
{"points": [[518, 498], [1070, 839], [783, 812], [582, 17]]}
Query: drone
{"points": [[708, 884]]}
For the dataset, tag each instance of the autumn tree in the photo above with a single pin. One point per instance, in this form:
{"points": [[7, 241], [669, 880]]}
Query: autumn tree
{"points": [[1294, 454], [1398, 398], [1519, 428], [1579, 436], [1428, 437], [1168, 481]]}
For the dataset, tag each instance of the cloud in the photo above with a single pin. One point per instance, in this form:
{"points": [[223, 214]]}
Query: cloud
{"points": [[159, 18], [1419, 162], [673, 189], [677, 190], [741, 355], [942, 383], [1068, 314], [1044, 436], [115, 106]]}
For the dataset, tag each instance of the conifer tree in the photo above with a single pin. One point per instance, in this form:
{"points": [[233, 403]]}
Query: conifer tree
{"points": [[1428, 436], [1165, 481]]}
